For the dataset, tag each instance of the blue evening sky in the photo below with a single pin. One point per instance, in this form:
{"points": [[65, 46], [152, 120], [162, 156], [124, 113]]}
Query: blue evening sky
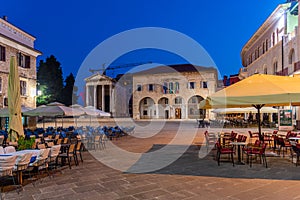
{"points": [[71, 29]]}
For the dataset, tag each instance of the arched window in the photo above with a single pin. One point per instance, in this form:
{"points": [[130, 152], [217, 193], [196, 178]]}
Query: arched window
{"points": [[265, 69], [275, 67], [292, 56]]}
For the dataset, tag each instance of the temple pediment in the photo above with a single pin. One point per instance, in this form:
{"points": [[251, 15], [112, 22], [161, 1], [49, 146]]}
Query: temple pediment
{"points": [[98, 78]]}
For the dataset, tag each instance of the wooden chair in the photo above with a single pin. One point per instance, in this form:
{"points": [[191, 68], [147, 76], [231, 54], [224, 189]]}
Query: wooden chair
{"points": [[97, 142], [224, 150], [258, 151], [9, 149], [50, 144], [296, 150], [284, 145], [41, 146], [66, 140], [2, 150], [21, 164], [7, 164], [59, 141], [53, 155], [253, 136], [69, 155], [40, 162], [1, 140], [210, 141], [78, 151]]}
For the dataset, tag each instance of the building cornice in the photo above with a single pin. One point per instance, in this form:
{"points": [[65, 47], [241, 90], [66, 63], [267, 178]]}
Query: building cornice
{"points": [[17, 28], [279, 11], [18, 45]]}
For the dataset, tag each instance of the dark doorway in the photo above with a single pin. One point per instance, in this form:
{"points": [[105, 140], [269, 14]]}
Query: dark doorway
{"points": [[166, 114]]}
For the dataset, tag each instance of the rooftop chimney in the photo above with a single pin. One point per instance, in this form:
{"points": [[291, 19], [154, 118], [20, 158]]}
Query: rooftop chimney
{"points": [[4, 17]]}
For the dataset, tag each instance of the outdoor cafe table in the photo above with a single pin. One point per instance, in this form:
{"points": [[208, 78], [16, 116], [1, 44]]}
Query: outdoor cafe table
{"points": [[274, 135], [34, 153], [239, 144], [294, 140]]}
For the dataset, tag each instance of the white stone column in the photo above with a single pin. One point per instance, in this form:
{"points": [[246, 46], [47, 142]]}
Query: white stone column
{"points": [[103, 99], [186, 111], [110, 98], [95, 96], [156, 110], [87, 93], [113, 109]]}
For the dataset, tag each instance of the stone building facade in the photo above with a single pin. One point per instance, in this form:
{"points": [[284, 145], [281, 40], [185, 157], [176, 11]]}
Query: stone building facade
{"points": [[274, 47], [16, 42], [172, 92]]}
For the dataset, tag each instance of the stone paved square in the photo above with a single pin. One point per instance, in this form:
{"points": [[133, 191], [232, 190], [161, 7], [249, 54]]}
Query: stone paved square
{"points": [[188, 177]]}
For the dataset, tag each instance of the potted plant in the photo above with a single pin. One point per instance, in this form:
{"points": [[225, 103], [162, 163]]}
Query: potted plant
{"points": [[25, 143]]}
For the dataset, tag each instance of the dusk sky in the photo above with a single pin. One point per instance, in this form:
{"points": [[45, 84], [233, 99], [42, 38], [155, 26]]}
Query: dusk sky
{"points": [[71, 29]]}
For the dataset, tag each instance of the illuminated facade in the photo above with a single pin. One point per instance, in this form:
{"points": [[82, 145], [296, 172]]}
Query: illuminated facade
{"points": [[16, 42], [274, 47], [172, 92]]}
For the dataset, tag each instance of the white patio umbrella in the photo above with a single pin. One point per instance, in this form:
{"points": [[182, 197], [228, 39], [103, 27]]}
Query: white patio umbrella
{"points": [[91, 111], [244, 110], [54, 109], [5, 113]]}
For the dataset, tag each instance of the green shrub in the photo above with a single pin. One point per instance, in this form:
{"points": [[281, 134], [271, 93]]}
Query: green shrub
{"points": [[25, 143]]}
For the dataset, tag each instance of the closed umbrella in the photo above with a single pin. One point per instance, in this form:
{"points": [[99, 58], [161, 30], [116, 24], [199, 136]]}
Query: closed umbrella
{"points": [[14, 102]]}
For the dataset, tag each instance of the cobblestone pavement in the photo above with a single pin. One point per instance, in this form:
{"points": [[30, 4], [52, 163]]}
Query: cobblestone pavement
{"points": [[189, 177]]}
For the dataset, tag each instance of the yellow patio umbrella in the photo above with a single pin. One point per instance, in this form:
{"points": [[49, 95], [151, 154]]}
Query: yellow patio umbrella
{"points": [[258, 90], [14, 102]]}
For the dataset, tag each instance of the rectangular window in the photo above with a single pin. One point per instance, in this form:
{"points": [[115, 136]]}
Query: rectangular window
{"points": [[191, 85], [23, 60], [145, 112], [139, 88], [23, 88], [2, 53], [145, 101], [5, 101], [176, 87], [194, 100], [178, 100], [0, 85], [27, 61], [165, 88], [166, 101], [204, 84], [150, 87], [171, 88]]}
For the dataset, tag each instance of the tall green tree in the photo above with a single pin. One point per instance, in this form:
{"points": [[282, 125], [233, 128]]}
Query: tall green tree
{"points": [[69, 91], [50, 81]]}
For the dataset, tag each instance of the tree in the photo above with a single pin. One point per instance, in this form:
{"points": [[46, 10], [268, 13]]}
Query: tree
{"points": [[69, 91], [50, 81]]}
